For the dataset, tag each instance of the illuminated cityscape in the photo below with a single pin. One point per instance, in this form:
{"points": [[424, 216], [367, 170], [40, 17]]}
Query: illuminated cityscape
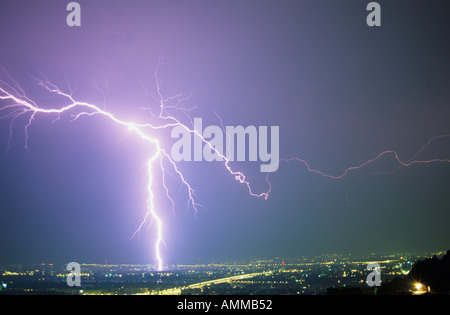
{"points": [[297, 276]]}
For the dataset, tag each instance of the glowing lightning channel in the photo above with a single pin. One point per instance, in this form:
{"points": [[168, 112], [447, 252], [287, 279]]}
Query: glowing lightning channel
{"points": [[22, 105]]}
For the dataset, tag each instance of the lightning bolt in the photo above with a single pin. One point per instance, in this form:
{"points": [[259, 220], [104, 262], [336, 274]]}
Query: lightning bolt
{"points": [[21, 105], [18, 105]]}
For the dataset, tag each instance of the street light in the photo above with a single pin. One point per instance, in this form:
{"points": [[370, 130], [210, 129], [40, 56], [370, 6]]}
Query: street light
{"points": [[419, 289]]}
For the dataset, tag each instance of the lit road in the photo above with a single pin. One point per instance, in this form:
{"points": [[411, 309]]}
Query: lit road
{"points": [[210, 282], [223, 280]]}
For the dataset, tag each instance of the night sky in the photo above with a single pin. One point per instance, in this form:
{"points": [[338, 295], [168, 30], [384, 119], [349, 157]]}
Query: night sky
{"points": [[340, 91]]}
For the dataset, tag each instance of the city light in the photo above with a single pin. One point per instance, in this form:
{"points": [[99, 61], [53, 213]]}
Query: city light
{"points": [[297, 276]]}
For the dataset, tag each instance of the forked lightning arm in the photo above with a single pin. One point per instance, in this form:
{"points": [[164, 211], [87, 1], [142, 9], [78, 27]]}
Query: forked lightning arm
{"points": [[401, 163]]}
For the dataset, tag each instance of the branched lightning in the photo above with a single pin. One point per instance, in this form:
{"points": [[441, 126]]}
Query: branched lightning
{"points": [[17, 104]]}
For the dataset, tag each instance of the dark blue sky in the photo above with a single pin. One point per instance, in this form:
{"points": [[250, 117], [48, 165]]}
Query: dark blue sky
{"points": [[341, 92]]}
